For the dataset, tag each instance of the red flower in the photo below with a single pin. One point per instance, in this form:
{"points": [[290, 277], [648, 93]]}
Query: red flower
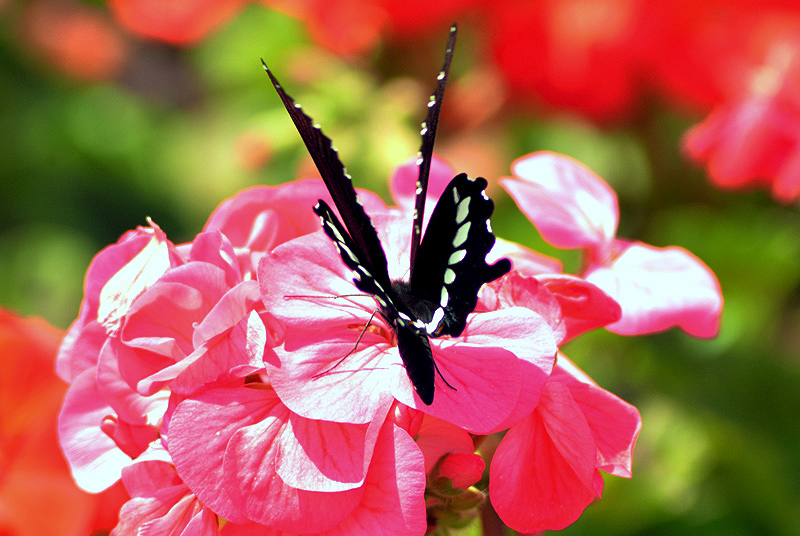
{"points": [[182, 22], [32, 467]]}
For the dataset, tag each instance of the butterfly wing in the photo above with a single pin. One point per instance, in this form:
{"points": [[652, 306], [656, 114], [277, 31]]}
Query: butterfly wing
{"points": [[428, 133], [451, 267], [364, 238]]}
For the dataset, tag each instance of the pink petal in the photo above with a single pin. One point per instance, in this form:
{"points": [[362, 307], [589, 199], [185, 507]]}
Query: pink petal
{"points": [[128, 403], [198, 434], [437, 438], [543, 472], [162, 320], [94, 459], [132, 280], [659, 288], [213, 247], [463, 469], [584, 306], [263, 217], [145, 479], [231, 461], [615, 424], [403, 183], [80, 349], [569, 204], [392, 501], [525, 261], [516, 290], [229, 342]]}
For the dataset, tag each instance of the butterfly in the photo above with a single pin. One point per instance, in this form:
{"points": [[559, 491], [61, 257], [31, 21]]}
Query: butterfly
{"points": [[447, 266]]}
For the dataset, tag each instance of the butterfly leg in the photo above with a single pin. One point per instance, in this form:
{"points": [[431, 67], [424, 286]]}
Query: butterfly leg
{"points": [[353, 349]]}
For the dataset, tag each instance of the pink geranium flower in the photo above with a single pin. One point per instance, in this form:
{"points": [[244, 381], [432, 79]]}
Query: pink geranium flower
{"points": [[158, 318], [657, 288], [162, 504], [497, 364], [194, 325]]}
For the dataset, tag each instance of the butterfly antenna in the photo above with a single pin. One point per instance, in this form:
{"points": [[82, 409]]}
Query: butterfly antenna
{"points": [[428, 133]]}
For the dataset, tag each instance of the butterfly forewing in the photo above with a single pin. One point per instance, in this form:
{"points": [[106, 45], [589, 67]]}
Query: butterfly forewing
{"points": [[428, 133], [448, 264], [338, 182], [451, 267]]}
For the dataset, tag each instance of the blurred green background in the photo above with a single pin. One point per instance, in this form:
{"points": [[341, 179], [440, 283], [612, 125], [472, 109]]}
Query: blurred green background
{"points": [[169, 132]]}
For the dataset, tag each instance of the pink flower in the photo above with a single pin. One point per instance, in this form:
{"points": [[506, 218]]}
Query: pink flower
{"points": [[754, 139], [657, 288], [546, 470], [497, 364], [179, 329], [254, 462], [162, 504], [258, 219]]}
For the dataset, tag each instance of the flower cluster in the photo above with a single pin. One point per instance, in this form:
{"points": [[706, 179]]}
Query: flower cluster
{"points": [[241, 384]]}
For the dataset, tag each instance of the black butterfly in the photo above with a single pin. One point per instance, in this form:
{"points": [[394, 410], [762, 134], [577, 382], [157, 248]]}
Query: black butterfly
{"points": [[448, 265]]}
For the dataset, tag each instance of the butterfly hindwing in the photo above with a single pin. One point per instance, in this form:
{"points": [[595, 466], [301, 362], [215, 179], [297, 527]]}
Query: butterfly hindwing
{"points": [[451, 267], [351, 255]]}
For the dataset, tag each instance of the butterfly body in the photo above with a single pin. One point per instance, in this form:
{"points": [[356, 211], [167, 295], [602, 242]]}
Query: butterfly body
{"points": [[447, 266]]}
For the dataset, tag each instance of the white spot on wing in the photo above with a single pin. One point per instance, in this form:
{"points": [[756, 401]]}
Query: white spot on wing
{"points": [[431, 326], [462, 234], [462, 211], [457, 257], [449, 276], [445, 297]]}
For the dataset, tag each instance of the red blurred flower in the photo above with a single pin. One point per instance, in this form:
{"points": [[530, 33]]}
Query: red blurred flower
{"points": [[577, 54], [177, 22], [76, 38], [33, 472], [754, 139]]}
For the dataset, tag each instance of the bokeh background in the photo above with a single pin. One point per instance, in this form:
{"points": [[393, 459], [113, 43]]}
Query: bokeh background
{"points": [[114, 112]]}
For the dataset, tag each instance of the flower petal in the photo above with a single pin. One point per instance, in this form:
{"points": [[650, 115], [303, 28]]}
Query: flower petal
{"points": [[94, 459], [659, 288], [569, 204], [542, 474]]}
